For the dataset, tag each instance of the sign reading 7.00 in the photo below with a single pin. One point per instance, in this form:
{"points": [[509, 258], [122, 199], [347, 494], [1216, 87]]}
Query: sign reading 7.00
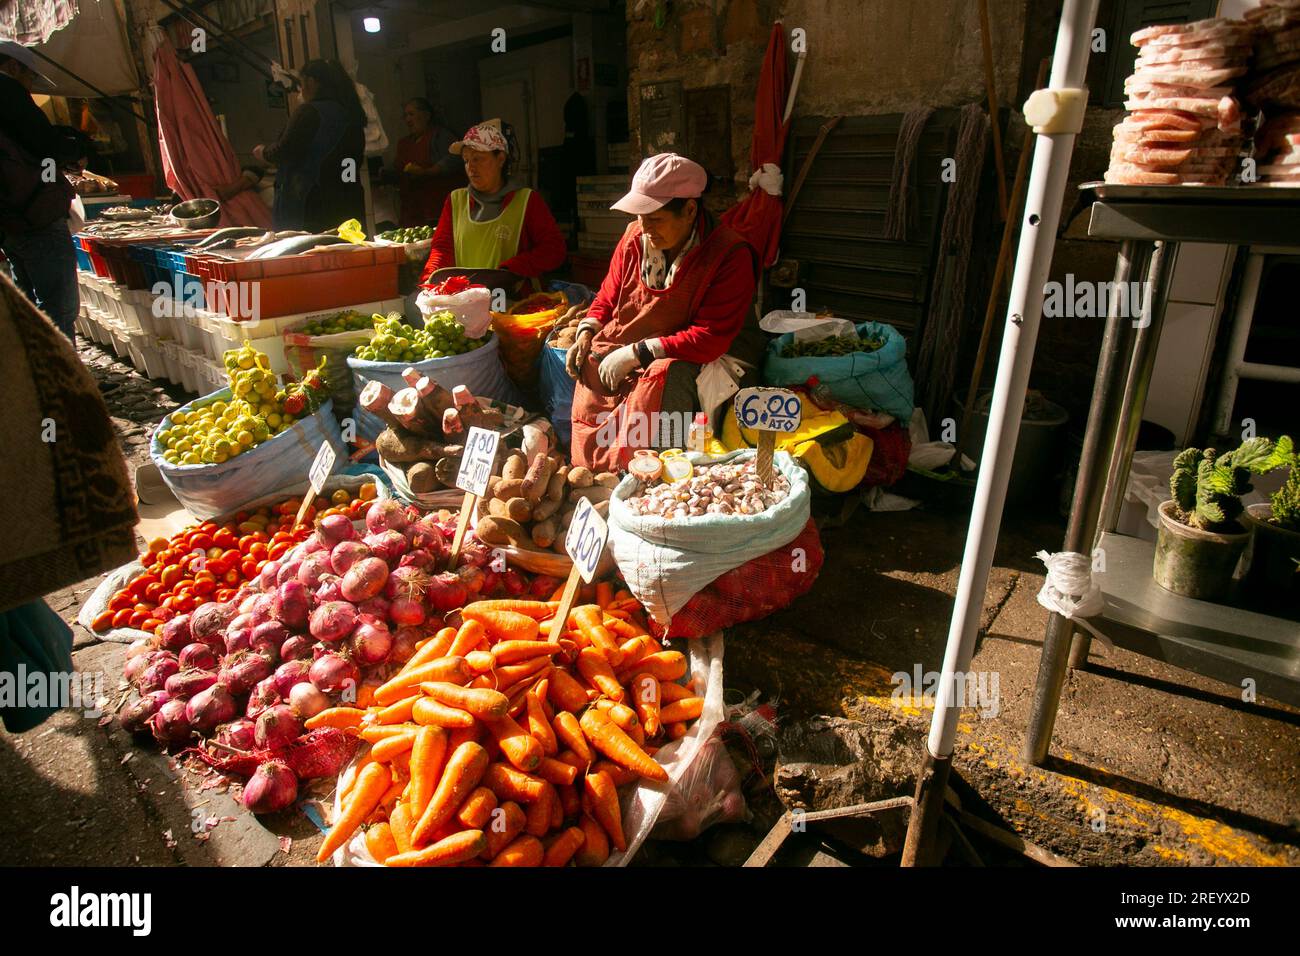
{"points": [[477, 460], [585, 541], [769, 409]]}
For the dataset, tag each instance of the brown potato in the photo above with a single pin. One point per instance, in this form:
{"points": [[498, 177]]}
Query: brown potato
{"points": [[580, 477], [519, 509], [492, 530]]}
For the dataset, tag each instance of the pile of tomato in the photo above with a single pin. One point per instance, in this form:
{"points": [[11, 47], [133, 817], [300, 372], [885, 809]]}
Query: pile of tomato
{"points": [[209, 561]]}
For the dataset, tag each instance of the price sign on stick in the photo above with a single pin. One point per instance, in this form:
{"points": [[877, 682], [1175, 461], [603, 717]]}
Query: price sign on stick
{"points": [[768, 411], [585, 544], [472, 478], [321, 467]]}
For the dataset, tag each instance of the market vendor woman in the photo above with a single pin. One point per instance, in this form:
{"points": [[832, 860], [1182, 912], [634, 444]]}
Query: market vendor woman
{"points": [[494, 223], [675, 298]]}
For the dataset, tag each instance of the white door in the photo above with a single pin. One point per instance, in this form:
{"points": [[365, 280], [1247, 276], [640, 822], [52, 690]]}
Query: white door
{"points": [[510, 98]]}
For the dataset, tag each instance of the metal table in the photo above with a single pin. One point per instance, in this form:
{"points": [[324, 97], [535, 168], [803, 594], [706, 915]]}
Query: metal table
{"points": [[1217, 641]]}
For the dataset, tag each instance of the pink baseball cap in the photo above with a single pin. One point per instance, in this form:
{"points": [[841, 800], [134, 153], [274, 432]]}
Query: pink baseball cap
{"points": [[486, 136], [660, 178]]}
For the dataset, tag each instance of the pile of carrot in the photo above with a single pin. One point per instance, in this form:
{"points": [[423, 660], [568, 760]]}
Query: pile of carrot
{"points": [[503, 741]]}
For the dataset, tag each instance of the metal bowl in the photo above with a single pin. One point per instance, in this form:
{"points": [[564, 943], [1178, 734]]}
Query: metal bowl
{"points": [[197, 213]]}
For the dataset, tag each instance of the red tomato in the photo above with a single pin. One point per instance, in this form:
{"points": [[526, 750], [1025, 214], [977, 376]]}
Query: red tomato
{"points": [[185, 603], [205, 586], [280, 537], [258, 551], [249, 569], [138, 618], [171, 575], [119, 601], [200, 542], [225, 538], [122, 617], [279, 548], [225, 594], [154, 592], [217, 567], [231, 577]]}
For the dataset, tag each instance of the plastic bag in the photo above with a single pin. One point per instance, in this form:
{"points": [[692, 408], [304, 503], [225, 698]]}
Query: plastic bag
{"points": [[472, 308], [479, 370], [716, 383], [708, 793], [686, 760], [878, 380], [281, 461], [303, 353], [666, 562], [557, 392]]}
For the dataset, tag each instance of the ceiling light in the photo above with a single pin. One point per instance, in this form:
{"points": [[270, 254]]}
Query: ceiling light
{"points": [[371, 24]]}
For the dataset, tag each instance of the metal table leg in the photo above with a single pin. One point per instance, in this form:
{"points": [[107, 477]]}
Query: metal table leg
{"points": [[1138, 382], [1104, 415]]}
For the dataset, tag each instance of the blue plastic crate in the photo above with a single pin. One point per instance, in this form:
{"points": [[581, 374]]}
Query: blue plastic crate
{"points": [[83, 258]]}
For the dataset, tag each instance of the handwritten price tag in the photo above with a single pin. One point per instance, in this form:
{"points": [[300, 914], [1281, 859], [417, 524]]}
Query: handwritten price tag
{"points": [[321, 467], [586, 539], [769, 410], [476, 462]]}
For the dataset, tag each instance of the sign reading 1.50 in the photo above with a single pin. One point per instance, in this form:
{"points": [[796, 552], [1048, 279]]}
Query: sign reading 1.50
{"points": [[769, 409], [477, 460], [585, 542]]}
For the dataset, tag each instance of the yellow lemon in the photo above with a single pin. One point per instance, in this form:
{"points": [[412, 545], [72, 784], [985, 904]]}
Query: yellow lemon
{"points": [[245, 438], [178, 418]]}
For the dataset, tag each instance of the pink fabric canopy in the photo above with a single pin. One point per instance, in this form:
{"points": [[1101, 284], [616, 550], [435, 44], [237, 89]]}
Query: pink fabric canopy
{"points": [[197, 157]]}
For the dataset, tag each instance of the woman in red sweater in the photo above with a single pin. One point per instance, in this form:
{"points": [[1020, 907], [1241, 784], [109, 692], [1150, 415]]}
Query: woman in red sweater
{"points": [[675, 298], [494, 224]]}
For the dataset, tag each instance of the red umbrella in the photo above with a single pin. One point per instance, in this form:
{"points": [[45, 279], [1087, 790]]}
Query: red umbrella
{"points": [[757, 217], [197, 157]]}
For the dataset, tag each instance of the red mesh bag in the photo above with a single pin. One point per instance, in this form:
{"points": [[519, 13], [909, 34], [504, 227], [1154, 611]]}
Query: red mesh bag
{"points": [[893, 445], [755, 589]]}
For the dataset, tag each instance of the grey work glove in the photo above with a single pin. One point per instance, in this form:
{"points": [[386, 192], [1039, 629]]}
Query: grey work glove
{"points": [[576, 356], [617, 365]]}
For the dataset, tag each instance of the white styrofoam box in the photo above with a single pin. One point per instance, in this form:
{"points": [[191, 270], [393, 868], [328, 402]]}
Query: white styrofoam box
{"points": [[143, 302], [121, 340], [123, 307], [146, 355], [101, 331], [92, 289], [191, 333], [189, 369], [172, 361]]}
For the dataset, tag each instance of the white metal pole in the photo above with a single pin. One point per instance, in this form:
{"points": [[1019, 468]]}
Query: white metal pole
{"points": [[1042, 214]]}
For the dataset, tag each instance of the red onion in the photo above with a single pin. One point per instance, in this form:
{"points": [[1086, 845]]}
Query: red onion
{"points": [[404, 641], [175, 634], [135, 716], [446, 592], [376, 607], [387, 545], [210, 707], [263, 695], [209, 620], [296, 648], [288, 569], [335, 528], [513, 583], [264, 608], [404, 611], [313, 568], [489, 581], [364, 579], [322, 752], [332, 672], [185, 684], [386, 515], [243, 619], [238, 639], [169, 724], [333, 622], [312, 546], [271, 788], [154, 677], [134, 667], [418, 558], [276, 727], [237, 734], [473, 578], [331, 589], [371, 642], [406, 581], [198, 655], [543, 586], [266, 578], [346, 554], [268, 637], [288, 674], [242, 670], [307, 700]]}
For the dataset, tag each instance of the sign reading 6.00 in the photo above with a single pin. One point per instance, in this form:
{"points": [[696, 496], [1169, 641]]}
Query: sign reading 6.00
{"points": [[476, 462], [585, 541], [769, 409]]}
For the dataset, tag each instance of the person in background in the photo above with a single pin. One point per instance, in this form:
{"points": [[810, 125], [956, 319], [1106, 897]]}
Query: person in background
{"points": [[676, 297], [318, 157], [35, 196], [426, 171], [494, 223]]}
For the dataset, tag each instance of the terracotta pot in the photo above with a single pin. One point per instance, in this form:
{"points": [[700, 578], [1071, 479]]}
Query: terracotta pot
{"points": [[1195, 563]]}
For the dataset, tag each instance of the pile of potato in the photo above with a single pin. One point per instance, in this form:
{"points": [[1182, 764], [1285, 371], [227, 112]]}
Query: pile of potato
{"points": [[530, 505], [566, 329]]}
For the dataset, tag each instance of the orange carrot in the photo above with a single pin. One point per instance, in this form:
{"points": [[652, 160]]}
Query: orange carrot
{"points": [[670, 691], [566, 693], [511, 674], [507, 823], [476, 811], [512, 652], [470, 636], [540, 610], [568, 730], [400, 824], [595, 843], [390, 747], [502, 625], [570, 802], [484, 704], [539, 726], [457, 848], [621, 714], [604, 594], [622, 629], [595, 669], [428, 711], [637, 648], [645, 697], [566, 844], [523, 851], [610, 739], [369, 789], [620, 775], [480, 662], [538, 813], [432, 649], [604, 805], [522, 750], [451, 669], [398, 713], [340, 717], [557, 809], [464, 770], [572, 759], [511, 784], [459, 735], [380, 842], [676, 731], [541, 689], [556, 771], [428, 756], [377, 732], [688, 708], [590, 622], [556, 596], [663, 666]]}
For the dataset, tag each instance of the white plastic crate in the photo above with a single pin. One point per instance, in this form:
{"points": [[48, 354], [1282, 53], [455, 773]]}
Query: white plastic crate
{"points": [[173, 362], [121, 339], [142, 300], [123, 307], [190, 379], [267, 335], [101, 330], [146, 355]]}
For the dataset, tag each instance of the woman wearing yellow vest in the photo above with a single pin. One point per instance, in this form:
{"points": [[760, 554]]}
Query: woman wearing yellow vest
{"points": [[494, 223]]}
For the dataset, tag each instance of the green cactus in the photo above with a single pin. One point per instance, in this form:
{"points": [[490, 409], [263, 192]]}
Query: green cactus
{"points": [[1286, 500], [1207, 487]]}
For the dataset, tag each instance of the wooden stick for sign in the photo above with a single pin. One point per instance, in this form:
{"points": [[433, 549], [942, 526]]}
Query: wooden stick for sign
{"points": [[560, 622], [763, 459], [307, 499], [466, 510]]}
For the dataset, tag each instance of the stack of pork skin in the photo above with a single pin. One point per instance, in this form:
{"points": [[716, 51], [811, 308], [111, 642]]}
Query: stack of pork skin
{"points": [[1184, 121], [1273, 86]]}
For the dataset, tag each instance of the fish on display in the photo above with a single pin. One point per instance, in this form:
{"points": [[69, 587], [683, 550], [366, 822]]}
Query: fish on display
{"points": [[226, 237], [295, 245]]}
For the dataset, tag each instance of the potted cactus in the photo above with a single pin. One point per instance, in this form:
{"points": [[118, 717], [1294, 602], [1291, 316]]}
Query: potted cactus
{"points": [[1275, 549], [1201, 539]]}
